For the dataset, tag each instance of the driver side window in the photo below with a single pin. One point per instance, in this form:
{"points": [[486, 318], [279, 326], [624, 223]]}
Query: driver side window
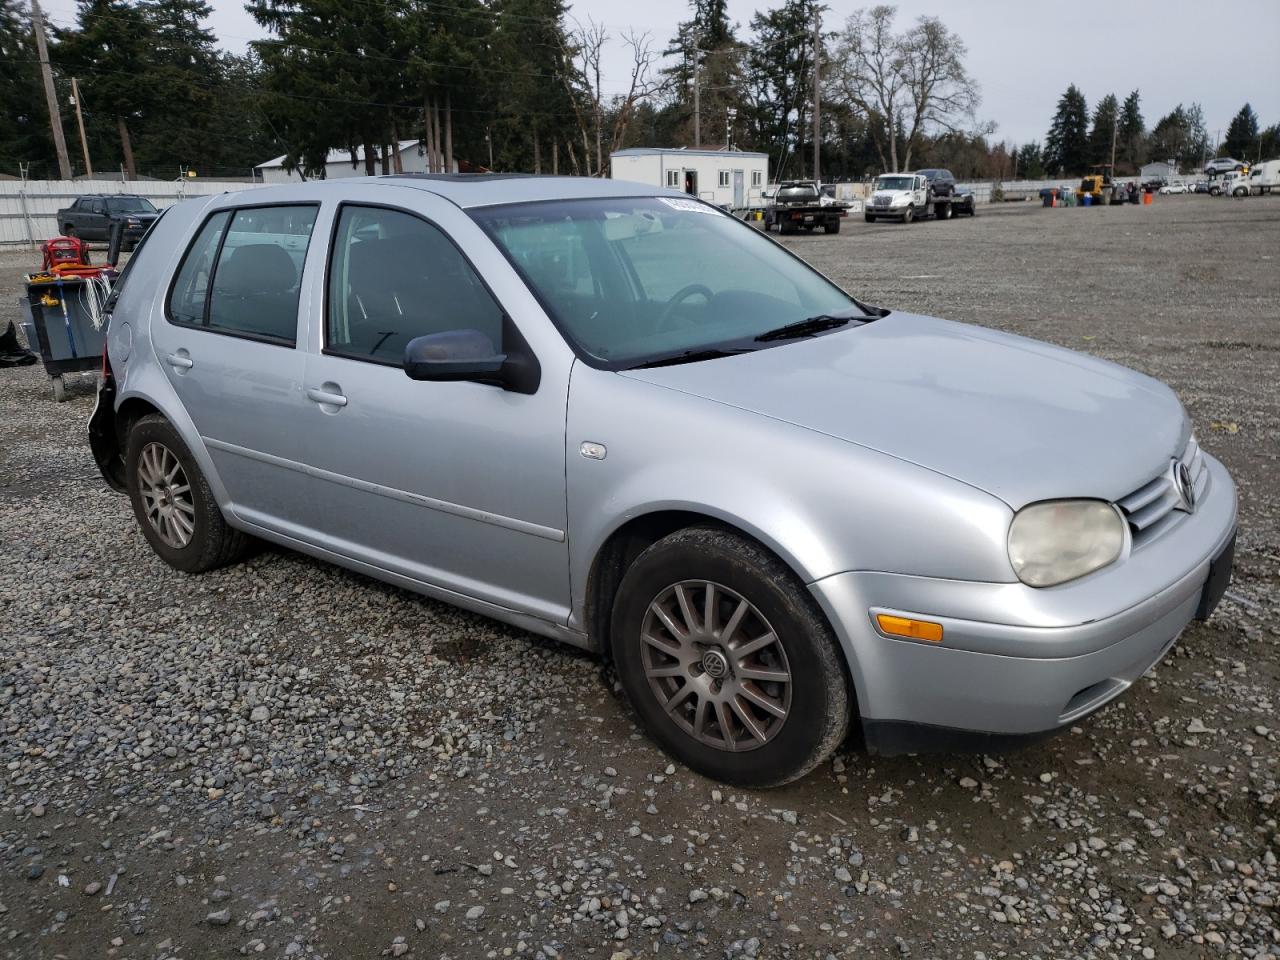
{"points": [[394, 277]]}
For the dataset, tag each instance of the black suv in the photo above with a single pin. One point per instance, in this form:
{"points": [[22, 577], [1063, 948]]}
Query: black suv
{"points": [[941, 182]]}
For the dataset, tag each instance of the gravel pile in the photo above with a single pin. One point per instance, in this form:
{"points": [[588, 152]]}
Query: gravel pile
{"points": [[284, 759]]}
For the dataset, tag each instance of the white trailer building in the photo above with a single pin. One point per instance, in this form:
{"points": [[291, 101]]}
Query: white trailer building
{"points": [[729, 178], [413, 159]]}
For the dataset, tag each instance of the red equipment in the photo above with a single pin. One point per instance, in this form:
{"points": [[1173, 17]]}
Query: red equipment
{"points": [[65, 250]]}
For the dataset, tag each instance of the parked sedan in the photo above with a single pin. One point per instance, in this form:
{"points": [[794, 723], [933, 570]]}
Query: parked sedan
{"points": [[619, 417], [1176, 187]]}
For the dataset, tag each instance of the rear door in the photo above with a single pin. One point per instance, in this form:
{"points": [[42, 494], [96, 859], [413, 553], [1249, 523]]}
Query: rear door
{"points": [[228, 344]]}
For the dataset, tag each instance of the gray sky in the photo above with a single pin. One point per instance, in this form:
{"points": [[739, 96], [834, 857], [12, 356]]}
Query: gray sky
{"points": [[1022, 53]]}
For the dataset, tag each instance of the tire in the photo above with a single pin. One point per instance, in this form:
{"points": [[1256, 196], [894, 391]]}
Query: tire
{"points": [[869, 218], [786, 229], [831, 227], [910, 213], [210, 542], [68, 230], [815, 697], [942, 211]]}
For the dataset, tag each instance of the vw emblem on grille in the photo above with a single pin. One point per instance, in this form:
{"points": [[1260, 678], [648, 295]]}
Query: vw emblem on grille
{"points": [[1184, 485]]}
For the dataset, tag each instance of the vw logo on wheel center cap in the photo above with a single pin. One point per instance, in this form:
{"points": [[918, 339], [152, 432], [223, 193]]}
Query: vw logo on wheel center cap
{"points": [[715, 665]]}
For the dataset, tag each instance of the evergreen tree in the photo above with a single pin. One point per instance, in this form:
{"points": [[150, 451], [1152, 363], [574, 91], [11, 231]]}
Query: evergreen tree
{"points": [[1030, 162], [24, 124], [781, 83], [1269, 146], [534, 105], [1180, 136], [1242, 135], [1106, 120], [114, 39], [1131, 141], [708, 41], [183, 69], [1066, 148]]}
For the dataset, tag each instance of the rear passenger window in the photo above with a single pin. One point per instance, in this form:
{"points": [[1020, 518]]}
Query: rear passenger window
{"points": [[243, 272], [393, 277], [191, 289]]}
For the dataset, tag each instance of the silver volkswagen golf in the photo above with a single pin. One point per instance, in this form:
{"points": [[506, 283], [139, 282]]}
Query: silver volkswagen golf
{"points": [[616, 416]]}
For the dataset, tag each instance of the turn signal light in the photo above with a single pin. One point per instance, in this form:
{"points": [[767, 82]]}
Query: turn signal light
{"points": [[906, 627]]}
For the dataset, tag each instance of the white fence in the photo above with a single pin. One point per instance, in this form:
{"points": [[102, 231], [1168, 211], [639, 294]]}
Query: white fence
{"points": [[28, 209]]}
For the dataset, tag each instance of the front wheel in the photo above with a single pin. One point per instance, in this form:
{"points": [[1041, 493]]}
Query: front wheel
{"points": [[727, 660], [173, 503], [910, 214], [869, 218]]}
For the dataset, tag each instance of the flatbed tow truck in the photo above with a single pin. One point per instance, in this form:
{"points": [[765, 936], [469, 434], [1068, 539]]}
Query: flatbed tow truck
{"points": [[799, 205], [906, 197]]}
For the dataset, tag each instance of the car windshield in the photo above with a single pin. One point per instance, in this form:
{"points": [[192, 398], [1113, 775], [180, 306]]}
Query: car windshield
{"points": [[895, 183], [639, 279], [130, 205]]}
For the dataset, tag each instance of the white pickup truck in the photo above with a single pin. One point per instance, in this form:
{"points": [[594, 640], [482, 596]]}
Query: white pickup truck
{"points": [[906, 197]]}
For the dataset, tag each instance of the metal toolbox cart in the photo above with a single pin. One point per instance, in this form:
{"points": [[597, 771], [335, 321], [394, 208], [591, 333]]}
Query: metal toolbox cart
{"points": [[58, 321]]}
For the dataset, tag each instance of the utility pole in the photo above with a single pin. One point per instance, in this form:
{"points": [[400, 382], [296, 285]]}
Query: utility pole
{"points": [[50, 95], [697, 97], [84, 143], [817, 93], [1115, 131]]}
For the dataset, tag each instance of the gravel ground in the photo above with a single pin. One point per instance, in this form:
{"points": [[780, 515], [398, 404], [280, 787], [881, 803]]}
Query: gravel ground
{"points": [[282, 758]]}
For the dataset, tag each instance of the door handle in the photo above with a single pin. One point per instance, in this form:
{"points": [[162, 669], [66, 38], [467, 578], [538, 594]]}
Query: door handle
{"points": [[180, 361], [325, 397]]}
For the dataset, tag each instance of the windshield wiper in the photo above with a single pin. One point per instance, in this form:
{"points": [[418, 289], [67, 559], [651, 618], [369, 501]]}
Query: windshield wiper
{"points": [[804, 328], [688, 356]]}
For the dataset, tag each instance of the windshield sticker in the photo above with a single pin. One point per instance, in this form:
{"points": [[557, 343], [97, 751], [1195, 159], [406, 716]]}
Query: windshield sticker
{"points": [[689, 206]]}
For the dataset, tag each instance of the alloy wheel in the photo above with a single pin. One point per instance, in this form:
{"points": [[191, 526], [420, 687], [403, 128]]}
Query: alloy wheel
{"points": [[716, 665], [166, 495]]}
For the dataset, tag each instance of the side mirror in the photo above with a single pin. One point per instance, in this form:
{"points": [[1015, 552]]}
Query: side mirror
{"points": [[454, 355]]}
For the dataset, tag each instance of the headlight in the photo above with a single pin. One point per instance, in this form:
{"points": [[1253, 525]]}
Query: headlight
{"points": [[898, 201], [1060, 540]]}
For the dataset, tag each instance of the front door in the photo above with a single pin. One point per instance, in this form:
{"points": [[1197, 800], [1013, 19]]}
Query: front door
{"points": [[456, 485], [228, 344], [691, 182], [738, 200]]}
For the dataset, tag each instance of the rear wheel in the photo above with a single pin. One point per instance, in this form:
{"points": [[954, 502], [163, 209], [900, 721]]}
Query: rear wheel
{"points": [[832, 226], [942, 211], [727, 660], [173, 502], [68, 230]]}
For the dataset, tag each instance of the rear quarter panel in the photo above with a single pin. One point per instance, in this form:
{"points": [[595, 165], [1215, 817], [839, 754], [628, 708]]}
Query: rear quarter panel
{"points": [[134, 362]]}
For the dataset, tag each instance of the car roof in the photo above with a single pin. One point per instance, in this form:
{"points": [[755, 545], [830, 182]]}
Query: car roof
{"points": [[469, 190]]}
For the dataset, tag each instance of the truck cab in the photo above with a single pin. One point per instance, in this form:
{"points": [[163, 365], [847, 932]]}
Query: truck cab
{"points": [[902, 196]]}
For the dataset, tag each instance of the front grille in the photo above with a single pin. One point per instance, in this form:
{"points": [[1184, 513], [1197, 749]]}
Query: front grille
{"points": [[1155, 505]]}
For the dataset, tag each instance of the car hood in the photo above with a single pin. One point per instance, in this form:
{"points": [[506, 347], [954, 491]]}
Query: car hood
{"points": [[1020, 419]]}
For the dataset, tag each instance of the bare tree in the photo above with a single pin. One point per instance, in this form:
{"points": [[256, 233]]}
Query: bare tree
{"points": [[907, 84], [938, 89], [586, 49]]}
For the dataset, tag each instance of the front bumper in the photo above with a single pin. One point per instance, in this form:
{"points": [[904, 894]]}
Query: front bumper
{"points": [[1016, 661]]}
